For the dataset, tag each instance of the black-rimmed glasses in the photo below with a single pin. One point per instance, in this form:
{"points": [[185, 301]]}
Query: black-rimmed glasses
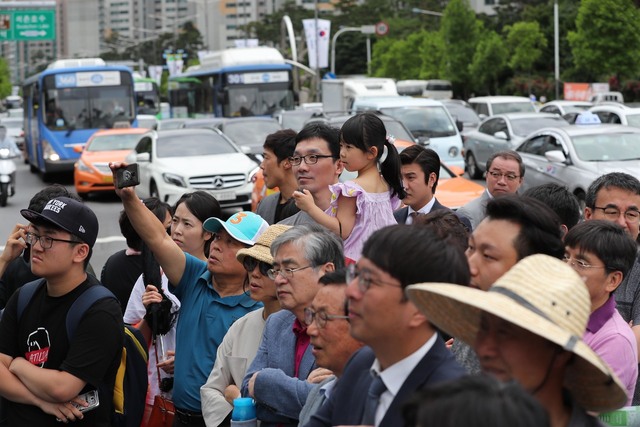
{"points": [[310, 159], [321, 317], [613, 213], [250, 263], [46, 242], [364, 278]]}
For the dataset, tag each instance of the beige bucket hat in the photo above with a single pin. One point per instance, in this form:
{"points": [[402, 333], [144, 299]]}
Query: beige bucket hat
{"points": [[542, 295], [262, 249]]}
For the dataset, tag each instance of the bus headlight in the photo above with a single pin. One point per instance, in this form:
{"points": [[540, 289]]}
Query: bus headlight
{"points": [[453, 151], [174, 179], [48, 153]]}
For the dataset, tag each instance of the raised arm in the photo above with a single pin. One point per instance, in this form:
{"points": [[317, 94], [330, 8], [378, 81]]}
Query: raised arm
{"points": [[152, 231]]}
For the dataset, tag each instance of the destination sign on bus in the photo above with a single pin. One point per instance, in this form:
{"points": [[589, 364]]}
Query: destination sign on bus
{"points": [[88, 78], [254, 78]]}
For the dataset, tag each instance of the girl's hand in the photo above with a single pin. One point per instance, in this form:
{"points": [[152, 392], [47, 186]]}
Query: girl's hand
{"points": [[151, 295], [168, 364], [304, 200]]}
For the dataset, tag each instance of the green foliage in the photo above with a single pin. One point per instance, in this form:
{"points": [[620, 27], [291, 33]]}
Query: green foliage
{"points": [[489, 62], [525, 42], [5, 79], [607, 39]]}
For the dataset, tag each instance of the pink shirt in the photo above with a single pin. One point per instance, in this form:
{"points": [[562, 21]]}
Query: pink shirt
{"points": [[612, 339]]}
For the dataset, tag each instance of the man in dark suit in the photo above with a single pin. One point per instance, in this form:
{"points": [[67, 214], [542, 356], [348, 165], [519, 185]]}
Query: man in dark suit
{"points": [[404, 352], [420, 174]]}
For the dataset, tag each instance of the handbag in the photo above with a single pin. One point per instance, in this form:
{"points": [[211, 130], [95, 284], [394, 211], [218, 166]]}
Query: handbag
{"points": [[163, 411]]}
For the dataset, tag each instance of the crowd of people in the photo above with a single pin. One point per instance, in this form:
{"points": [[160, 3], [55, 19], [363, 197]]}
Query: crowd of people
{"points": [[364, 303]]}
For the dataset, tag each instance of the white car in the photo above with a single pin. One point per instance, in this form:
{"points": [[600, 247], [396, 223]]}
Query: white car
{"points": [[486, 106], [174, 162], [618, 114], [562, 107]]}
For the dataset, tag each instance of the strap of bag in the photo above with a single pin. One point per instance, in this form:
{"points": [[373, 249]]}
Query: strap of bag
{"points": [[27, 291]]}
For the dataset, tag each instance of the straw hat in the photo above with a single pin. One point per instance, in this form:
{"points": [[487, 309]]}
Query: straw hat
{"points": [[262, 249], [542, 295]]}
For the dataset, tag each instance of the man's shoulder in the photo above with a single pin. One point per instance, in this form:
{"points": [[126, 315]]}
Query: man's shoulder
{"points": [[279, 319]]}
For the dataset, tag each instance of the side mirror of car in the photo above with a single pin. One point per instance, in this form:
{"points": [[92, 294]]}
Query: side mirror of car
{"points": [[501, 135], [555, 156], [459, 125], [143, 157]]}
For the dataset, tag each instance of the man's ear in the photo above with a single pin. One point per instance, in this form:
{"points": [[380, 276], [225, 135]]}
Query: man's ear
{"points": [[328, 267], [285, 164], [588, 213], [81, 252]]}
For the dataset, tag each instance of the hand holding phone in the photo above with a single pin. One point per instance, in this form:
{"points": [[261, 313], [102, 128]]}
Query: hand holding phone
{"points": [[128, 176]]}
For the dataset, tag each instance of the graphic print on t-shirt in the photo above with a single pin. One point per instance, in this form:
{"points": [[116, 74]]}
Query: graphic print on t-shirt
{"points": [[38, 347]]}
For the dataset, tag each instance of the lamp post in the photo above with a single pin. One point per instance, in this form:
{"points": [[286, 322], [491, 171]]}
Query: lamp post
{"points": [[556, 48], [364, 29], [425, 12]]}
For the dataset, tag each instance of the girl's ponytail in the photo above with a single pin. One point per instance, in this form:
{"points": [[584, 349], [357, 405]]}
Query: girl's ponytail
{"points": [[389, 163]]}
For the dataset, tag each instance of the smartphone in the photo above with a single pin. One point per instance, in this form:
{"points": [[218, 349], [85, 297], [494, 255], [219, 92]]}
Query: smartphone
{"points": [[128, 176], [91, 398]]}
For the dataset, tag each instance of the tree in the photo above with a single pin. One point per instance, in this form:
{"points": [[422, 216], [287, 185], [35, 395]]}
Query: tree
{"points": [[607, 39], [459, 31], [489, 62], [525, 42], [5, 79]]}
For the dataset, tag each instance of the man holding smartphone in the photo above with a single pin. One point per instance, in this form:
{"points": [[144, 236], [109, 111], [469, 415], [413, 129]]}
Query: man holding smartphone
{"points": [[42, 369]]}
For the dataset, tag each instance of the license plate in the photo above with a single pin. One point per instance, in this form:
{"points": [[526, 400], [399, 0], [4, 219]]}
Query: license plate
{"points": [[108, 179], [229, 195]]}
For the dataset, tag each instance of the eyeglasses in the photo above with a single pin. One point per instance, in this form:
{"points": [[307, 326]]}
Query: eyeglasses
{"points": [[250, 263], [309, 159], [46, 242], [579, 264], [364, 278], [287, 273], [508, 176], [321, 317], [613, 213]]}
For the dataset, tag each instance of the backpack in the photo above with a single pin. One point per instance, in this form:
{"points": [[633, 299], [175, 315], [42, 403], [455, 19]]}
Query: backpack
{"points": [[130, 389]]}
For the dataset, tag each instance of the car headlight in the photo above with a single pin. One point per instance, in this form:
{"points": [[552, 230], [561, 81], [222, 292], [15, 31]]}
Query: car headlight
{"points": [[82, 167], [173, 179], [453, 151], [252, 175], [48, 153]]}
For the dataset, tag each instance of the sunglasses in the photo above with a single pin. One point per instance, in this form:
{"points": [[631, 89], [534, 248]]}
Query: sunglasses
{"points": [[250, 264]]}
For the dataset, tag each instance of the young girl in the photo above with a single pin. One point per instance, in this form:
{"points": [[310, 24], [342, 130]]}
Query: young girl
{"points": [[366, 204]]}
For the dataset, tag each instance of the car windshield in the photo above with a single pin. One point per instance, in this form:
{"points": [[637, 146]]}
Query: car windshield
{"points": [[113, 142], [608, 147], [248, 133], [396, 130], [633, 120], [193, 145], [432, 122], [575, 108], [525, 126], [295, 120], [464, 114], [513, 107]]}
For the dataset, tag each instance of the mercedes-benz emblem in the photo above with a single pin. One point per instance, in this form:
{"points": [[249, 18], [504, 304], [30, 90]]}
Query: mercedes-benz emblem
{"points": [[218, 182]]}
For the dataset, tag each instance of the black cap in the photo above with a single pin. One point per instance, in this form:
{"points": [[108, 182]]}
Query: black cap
{"points": [[70, 215]]}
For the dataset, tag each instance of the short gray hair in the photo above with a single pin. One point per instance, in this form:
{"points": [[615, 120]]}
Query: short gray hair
{"points": [[317, 244]]}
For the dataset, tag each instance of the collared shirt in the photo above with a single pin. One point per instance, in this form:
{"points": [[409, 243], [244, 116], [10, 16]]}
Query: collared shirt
{"points": [[613, 340], [423, 210], [395, 375], [302, 342]]}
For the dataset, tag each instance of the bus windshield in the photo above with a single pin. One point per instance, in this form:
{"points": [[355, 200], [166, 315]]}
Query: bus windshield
{"points": [[256, 101], [96, 107], [147, 97]]}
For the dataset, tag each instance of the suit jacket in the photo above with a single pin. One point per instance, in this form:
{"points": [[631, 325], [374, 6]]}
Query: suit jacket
{"points": [[315, 400], [402, 214], [475, 209], [279, 395], [346, 404]]}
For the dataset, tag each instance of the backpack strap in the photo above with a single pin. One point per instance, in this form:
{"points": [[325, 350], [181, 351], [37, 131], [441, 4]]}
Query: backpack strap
{"points": [[79, 307], [27, 291]]}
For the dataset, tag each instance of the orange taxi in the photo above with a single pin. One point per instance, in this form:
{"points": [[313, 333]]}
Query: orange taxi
{"points": [[453, 189], [91, 173]]}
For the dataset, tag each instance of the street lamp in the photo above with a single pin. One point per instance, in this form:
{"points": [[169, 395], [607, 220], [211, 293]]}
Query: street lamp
{"points": [[364, 29], [425, 12], [556, 48]]}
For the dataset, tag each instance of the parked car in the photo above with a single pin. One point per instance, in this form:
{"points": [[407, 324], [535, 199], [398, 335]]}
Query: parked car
{"points": [[395, 128], [173, 162], [295, 119], [562, 107], [574, 156], [461, 111], [615, 113], [502, 132], [486, 106], [248, 133], [91, 173], [166, 124], [427, 119]]}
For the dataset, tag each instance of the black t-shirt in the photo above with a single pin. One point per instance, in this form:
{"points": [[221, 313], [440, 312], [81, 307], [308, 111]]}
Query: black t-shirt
{"points": [[41, 337], [120, 273]]}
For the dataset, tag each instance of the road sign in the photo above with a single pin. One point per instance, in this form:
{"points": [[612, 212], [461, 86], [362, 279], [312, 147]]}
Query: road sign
{"points": [[27, 25], [382, 28]]}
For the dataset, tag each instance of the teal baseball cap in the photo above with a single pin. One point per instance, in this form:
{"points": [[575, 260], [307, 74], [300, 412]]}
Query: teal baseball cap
{"points": [[245, 227]]}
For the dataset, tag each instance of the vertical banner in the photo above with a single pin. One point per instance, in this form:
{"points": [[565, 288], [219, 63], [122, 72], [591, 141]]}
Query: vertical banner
{"points": [[319, 53], [155, 72]]}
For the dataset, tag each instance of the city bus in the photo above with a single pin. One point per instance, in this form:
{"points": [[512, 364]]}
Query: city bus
{"points": [[250, 81], [66, 103], [147, 95]]}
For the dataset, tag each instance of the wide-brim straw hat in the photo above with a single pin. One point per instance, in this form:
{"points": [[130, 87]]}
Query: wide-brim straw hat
{"points": [[262, 249], [547, 298]]}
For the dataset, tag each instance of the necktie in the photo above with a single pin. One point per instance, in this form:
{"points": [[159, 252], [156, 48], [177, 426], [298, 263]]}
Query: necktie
{"points": [[376, 388], [415, 215]]}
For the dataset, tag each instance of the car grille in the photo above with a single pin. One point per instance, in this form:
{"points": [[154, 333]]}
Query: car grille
{"points": [[103, 168], [209, 182]]}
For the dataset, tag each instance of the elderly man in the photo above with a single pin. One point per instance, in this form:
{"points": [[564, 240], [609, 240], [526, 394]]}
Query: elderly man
{"points": [[533, 337], [505, 172], [404, 351], [282, 373], [316, 165]]}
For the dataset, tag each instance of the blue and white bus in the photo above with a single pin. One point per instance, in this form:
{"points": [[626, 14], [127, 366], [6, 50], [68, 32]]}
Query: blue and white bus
{"points": [[66, 103], [250, 81]]}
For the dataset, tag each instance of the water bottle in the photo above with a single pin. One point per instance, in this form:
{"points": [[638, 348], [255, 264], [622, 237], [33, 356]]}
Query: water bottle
{"points": [[244, 413]]}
